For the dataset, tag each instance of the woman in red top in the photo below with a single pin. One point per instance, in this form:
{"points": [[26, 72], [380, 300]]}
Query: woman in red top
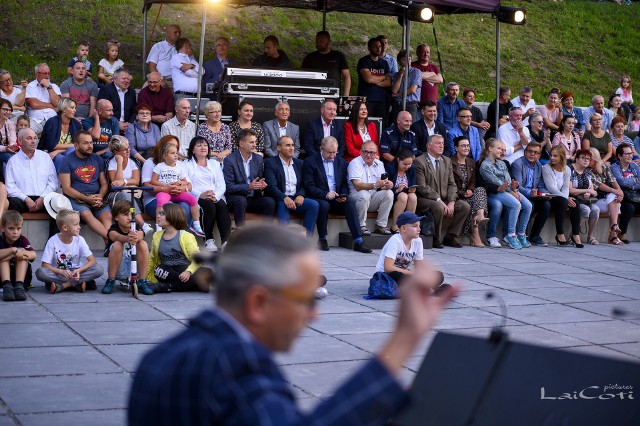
{"points": [[358, 130]]}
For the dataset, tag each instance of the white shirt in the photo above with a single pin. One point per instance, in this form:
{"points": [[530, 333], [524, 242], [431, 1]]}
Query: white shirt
{"points": [[326, 128], [35, 176], [359, 170], [396, 250], [282, 130], [127, 173], [430, 130], [247, 167], [206, 178], [511, 138], [517, 103], [145, 176], [291, 180], [185, 81], [65, 256], [161, 54], [169, 174], [110, 69], [121, 96], [184, 133], [35, 90]]}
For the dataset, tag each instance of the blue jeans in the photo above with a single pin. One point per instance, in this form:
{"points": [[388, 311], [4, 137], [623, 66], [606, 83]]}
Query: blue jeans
{"points": [[495, 212], [150, 209], [309, 209], [515, 210]]}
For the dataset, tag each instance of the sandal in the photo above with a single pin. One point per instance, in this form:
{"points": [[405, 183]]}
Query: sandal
{"points": [[616, 241], [394, 231], [593, 241], [80, 287], [615, 228], [383, 230], [56, 288]]}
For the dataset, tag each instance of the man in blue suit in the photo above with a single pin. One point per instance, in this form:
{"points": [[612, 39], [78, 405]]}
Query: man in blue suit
{"points": [[325, 180], [284, 183], [244, 179], [126, 113], [324, 126], [427, 125], [280, 126], [220, 370], [214, 67]]}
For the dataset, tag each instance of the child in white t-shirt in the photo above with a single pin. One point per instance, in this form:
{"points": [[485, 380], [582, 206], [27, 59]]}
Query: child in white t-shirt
{"points": [[62, 267], [404, 251]]}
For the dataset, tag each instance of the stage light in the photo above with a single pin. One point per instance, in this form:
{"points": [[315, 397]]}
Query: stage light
{"points": [[512, 15], [422, 14]]}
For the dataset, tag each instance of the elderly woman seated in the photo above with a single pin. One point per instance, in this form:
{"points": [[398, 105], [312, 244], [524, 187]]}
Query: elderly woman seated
{"points": [[627, 173], [216, 133], [609, 193]]}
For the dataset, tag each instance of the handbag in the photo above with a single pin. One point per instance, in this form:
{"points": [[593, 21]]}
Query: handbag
{"points": [[631, 195], [382, 286], [427, 224]]}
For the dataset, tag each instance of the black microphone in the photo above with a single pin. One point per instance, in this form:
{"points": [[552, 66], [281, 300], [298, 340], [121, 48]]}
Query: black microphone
{"points": [[498, 333]]}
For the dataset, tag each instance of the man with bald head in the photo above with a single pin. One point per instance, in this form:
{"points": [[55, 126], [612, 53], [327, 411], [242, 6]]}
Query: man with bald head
{"points": [[368, 189], [102, 126], [597, 105], [398, 137], [30, 175], [160, 55], [158, 98]]}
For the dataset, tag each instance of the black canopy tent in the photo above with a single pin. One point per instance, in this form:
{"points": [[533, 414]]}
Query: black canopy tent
{"points": [[398, 8]]}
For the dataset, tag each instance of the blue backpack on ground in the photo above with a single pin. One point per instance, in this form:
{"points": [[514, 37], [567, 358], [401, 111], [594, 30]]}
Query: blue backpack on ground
{"points": [[382, 286]]}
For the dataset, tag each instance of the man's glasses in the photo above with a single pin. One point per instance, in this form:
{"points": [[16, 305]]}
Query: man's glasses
{"points": [[466, 145], [369, 152], [5, 80], [627, 153], [529, 151]]}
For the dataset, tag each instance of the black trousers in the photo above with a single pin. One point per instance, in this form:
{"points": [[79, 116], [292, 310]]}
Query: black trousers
{"points": [[239, 205], [20, 206], [542, 208], [347, 209], [168, 278], [627, 210], [215, 212]]}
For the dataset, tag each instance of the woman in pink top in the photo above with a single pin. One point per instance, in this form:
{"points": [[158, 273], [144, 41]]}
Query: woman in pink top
{"points": [[358, 130], [567, 138]]}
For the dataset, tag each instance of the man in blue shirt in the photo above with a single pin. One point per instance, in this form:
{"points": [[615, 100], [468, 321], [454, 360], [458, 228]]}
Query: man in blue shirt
{"points": [[220, 368], [449, 104], [464, 128]]}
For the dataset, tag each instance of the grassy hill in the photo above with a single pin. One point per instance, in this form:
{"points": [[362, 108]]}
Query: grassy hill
{"points": [[581, 45]]}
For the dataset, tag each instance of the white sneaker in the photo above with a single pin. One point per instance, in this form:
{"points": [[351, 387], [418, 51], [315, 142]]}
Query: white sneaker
{"points": [[147, 229], [211, 245], [494, 242]]}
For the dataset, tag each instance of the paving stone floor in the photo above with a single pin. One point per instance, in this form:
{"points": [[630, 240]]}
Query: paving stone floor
{"points": [[68, 358]]}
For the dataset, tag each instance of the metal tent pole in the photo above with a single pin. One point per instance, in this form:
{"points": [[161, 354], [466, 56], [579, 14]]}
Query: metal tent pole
{"points": [[497, 74], [407, 47], [144, 43], [201, 61]]}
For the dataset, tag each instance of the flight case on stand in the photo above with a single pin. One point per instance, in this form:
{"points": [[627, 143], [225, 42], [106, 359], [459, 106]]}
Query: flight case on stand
{"points": [[264, 88]]}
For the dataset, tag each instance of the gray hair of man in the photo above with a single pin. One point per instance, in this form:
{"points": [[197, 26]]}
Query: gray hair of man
{"points": [[37, 67], [22, 133], [65, 103], [118, 142], [119, 72], [433, 137], [279, 104], [3, 72], [211, 105], [179, 100], [258, 255], [328, 140], [596, 97], [525, 89]]}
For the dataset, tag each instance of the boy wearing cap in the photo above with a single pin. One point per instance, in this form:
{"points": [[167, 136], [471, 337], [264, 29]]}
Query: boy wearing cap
{"points": [[403, 251]]}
